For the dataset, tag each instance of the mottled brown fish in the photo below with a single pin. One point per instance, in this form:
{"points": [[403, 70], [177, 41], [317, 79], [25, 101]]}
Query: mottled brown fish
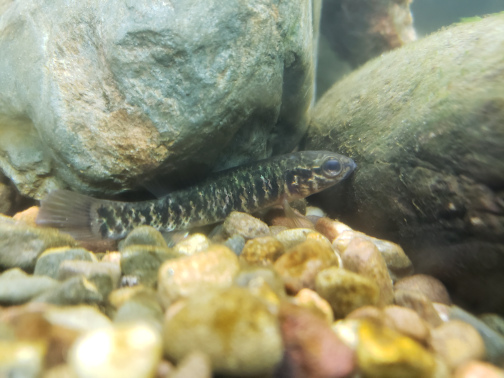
{"points": [[247, 188]]}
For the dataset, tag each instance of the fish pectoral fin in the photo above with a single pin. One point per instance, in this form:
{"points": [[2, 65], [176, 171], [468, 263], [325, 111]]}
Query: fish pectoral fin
{"points": [[298, 220]]}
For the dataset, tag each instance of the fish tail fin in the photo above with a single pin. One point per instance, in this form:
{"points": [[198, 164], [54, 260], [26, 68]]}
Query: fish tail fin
{"points": [[68, 211]]}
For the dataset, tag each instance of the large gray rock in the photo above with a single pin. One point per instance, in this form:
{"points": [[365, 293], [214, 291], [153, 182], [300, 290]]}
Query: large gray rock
{"points": [[424, 124], [98, 96]]}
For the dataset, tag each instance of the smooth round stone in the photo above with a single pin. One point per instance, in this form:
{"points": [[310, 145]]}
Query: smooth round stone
{"points": [[478, 369], [80, 318], [397, 261], [330, 228], [312, 349], [457, 342], [309, 299], [256, 277], [194, 243], [262, 251], [142, 306], [75, 290], [235, 243], [419, 303], [178, 278], [20, 244], [18, 287], [106, 276], [143, 262], [122, 351], [407, 322], [299, 265], [143, 235], [291, 237], [345, 291], [245, 225], [48, 262], [428, 285], [361, 256], [232, 326], [23, 359], [382, 352]]}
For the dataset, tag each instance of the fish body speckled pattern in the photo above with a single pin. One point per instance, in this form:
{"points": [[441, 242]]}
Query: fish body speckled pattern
{"points": [[246, 188]]}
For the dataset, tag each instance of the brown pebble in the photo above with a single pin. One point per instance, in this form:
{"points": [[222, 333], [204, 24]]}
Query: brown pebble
{"points": [[362, 257], [312, 349], [420, 303], [27, 216], [457, 342], [299, 265], [245, 225], [331, 229], [262, 251], [310, 299], [478, 369], [428, 285], [407, 322]]}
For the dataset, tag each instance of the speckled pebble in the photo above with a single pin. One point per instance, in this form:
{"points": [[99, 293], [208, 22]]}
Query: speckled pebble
{"points": [[310, 299], [143, 262], [245, 225], [311, 348], [457, 342], [398, 263], [48, 262], [428, 285], [178, 278], [194, 243], [18, 287], [361, 256], [262, 251], [299, 265], [122, 351], [143, 235], [345, 291], [384, 353], [291, 237], [232, 326]]}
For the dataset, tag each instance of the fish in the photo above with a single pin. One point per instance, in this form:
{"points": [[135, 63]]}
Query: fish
{"points": [[247, 188]]}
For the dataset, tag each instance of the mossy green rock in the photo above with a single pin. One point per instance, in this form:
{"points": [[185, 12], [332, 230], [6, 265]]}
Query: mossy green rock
{"points": [[18, 287], [49, 261], [143, 235], [424, 125], [232, 326], [75, 290], [20, 245]]}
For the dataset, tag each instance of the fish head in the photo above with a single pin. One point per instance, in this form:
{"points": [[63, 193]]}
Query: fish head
{"points": [[313, 171]]}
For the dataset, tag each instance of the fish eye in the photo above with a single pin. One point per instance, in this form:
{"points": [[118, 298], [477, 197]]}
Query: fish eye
{"points": [[331, 167]]}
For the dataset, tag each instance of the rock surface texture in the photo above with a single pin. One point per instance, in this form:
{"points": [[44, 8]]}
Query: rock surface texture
{"points": [[98, 96], [424, 125]]}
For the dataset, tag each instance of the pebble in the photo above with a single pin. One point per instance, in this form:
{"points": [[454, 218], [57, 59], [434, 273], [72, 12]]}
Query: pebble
{"points": [[27, 216], [122, 351], [428, 285], [20, 244], [345, 291], [291, 237], [49, 261], [478, 369], [231, 326], [75, 290], [494, 341], [105, 275], [142, 307], [383, 352], [457, 342], [256, 277], [245, 225], [299, 265], [309, 299], [143, 235], [494, 321], [398, 263], [193, 244], [361, 256], [195, 365], [262, 251], [331, 229], [311, 348], [235, 243], [178, 278], [18, 287], [420, 303], [143, 262], [407, 322], [23, 359], [81, 318]]}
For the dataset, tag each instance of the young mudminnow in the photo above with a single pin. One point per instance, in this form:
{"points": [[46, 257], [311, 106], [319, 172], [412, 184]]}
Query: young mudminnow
{"points": [[247, 188]]}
